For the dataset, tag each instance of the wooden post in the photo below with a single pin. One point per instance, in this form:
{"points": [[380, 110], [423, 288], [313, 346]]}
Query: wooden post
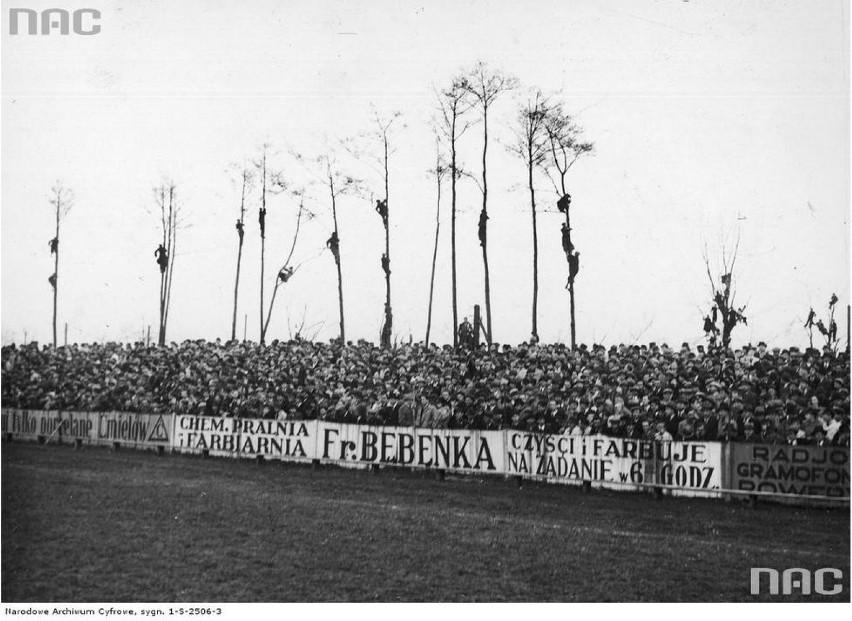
{"points": [[148, 338], [66, 334]]}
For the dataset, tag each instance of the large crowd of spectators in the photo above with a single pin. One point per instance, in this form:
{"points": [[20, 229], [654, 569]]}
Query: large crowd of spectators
{"points": [[752, 394]]}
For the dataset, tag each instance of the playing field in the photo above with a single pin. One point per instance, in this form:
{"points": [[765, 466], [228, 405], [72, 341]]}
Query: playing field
{"points": [[95, 525]]}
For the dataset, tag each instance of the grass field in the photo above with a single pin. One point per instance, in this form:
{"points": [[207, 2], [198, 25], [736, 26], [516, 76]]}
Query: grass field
{"points": [[94, 525]]}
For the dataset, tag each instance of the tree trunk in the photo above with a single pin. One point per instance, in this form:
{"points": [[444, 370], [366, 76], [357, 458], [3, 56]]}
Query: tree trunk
{"points": [[571, 283], [387, 330], [434, 260], [236, 291], [262, 251], [535, 253], [339, 271], [485, 237], [573, 327], [56, 273], [487, 292], [340, 303], [240, 234], [262, 241], [453, 232]]}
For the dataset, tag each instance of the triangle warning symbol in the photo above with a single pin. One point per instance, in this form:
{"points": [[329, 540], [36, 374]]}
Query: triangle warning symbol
{"points": [[159, 433]]}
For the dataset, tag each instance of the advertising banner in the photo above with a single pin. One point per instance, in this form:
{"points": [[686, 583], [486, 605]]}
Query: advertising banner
{"points": [[782, 469], [105, 428], [456, 450], [30, 424], [615, 462], [682, 468], [244, 437], [131, 430]]}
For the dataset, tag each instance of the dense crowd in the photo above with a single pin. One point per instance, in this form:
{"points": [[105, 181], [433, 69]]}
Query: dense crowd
{"points": [[753, 394]]}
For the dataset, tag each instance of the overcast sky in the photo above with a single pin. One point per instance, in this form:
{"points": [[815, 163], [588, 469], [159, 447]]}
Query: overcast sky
{"points": [[709, 119]]}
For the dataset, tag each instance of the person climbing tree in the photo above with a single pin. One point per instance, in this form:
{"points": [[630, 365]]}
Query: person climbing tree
{"points": [[333, 244], [54, 245], [162, 258], [261, 218], [483, 228], [573, 267], [567, 246], [382, 210], [385, 264]]}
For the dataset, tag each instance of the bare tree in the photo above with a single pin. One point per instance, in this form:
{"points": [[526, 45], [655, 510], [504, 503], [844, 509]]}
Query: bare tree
{"points": [[271, 182], [439, 171], [337, 184], [286, 272], [531, 146], [485, 86], [165, 197], [453, 103], [566, 147], [384, 133], [61, 198], [245, 182], [724, 298]]}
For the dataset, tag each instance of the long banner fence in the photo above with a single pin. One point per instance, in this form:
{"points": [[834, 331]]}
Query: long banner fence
{"points": [[704, 469]]}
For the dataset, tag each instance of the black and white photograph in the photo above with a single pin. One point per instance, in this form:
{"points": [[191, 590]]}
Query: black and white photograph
{"points": [[396, 301]]}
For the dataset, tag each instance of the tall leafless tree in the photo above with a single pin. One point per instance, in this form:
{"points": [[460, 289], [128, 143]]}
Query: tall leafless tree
{"points": [[165, 197], [531, 146], [384, 133], [245, 183], [271, 182], [61, 199], [439, 172], [724, 297], [566, 147], [453, 104], [485, 86], [337, 185]]}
